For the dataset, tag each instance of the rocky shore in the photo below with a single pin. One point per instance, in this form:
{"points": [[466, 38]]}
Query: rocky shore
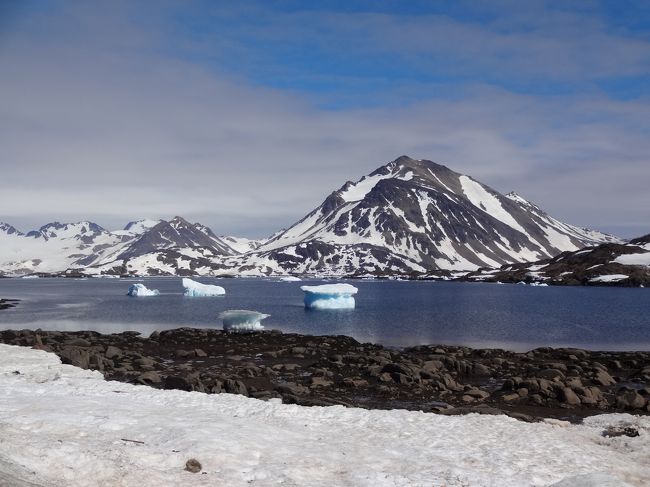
{"points": [[327, 370]]}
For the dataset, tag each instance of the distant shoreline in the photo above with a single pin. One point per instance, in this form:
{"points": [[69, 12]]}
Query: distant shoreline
{"points": [[471, 277], [564, 383]]}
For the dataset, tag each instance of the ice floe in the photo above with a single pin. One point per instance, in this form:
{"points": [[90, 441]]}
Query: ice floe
{"points": [[197, 289], [242, 320], [140, 290], [330, 296]]}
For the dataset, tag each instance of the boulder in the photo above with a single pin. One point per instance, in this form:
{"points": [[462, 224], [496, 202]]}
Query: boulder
{"points": [[77, 356], [567, 396]]}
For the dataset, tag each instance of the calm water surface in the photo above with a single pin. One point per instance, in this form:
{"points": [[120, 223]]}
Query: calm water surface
{"points": [[390, 312]]}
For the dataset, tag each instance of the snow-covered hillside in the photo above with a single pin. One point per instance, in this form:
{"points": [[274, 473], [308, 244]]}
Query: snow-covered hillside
{"points": [[56, 246], [241, 244], [606, 264], [64, 426], [407, 217]]}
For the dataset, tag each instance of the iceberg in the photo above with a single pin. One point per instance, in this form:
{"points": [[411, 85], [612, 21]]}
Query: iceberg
{"points": [[196, 289], [138, 290], [330, 296], [290, 279], [242, 320]]}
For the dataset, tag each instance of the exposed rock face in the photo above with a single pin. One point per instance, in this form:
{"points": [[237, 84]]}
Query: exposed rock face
{"points": [[322, 370]]}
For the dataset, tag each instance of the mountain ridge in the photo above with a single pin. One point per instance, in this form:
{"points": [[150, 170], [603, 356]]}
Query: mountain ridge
{"points": [[407, 217]]}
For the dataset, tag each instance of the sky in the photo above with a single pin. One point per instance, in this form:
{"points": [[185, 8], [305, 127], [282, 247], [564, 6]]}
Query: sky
{"points": [[246, 115]]}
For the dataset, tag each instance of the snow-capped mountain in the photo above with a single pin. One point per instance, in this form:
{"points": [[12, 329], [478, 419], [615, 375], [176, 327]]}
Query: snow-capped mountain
{"points": [[418, 216], [176, 233], [409, 217], [57, 247]]}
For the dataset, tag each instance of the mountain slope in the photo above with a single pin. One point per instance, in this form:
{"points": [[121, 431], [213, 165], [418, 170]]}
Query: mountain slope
{"points": [[55, 247], [605, 264], [419, 216]]}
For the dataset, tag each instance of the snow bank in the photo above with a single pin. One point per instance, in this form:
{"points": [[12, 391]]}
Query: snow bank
{"points": [[64, 426], [197, 289], [634, 259], [330, 296], [139, 290], [242, 320], [609, 278]]}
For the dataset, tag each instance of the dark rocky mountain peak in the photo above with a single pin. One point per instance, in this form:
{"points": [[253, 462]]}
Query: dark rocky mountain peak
{"points": [[9, 229], [176, 233]]}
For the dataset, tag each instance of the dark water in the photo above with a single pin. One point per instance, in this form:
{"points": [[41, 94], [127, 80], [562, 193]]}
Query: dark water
{"points": [[389, 312]]}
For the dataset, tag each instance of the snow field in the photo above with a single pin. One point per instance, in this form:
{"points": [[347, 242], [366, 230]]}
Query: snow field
{"points": [[63, 426]]}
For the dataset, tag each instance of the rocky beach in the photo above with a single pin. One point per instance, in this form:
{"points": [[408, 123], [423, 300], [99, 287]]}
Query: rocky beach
{"points": [[562, 383]]}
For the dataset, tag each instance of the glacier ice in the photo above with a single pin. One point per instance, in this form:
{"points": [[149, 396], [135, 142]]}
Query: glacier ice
{"points": [[329, 296], [197, 289], [138, 290], [242, 320]]}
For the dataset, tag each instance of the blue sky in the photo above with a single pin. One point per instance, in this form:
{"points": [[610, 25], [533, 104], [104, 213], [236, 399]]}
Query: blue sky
{"points": [[376, 53], [245, 115]]}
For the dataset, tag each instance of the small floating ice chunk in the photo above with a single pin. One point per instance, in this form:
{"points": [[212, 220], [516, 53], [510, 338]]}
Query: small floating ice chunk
{"points": [[290, 279], [330, 296], [197, 289], [242, 320], [139, 290]]}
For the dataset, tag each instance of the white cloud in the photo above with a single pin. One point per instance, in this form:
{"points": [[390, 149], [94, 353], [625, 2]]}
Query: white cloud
{"points": [[97, 123]]}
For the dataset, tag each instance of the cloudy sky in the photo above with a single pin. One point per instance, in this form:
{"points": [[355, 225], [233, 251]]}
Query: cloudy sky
{"points": [[245, 115]]}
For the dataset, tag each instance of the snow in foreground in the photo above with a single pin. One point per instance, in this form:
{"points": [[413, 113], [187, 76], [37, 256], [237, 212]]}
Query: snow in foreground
{"points": [[197, 289], [330, 296], [63, 426]]}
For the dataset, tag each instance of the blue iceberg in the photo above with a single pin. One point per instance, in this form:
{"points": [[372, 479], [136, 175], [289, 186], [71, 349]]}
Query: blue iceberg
{"points": [[140, 290], [242, 320], [330, 296], [196, 289]]}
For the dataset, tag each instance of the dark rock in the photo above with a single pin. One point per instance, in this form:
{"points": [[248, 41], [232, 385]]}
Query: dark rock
{"points": [[78, 342], [151, 377], [602, 378], [193, 466], [550, 374], [177, 382], [77, 356], [614, 431], [292, 388], [630, 400], [236, 387], [113, 352], [569, 397]]}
